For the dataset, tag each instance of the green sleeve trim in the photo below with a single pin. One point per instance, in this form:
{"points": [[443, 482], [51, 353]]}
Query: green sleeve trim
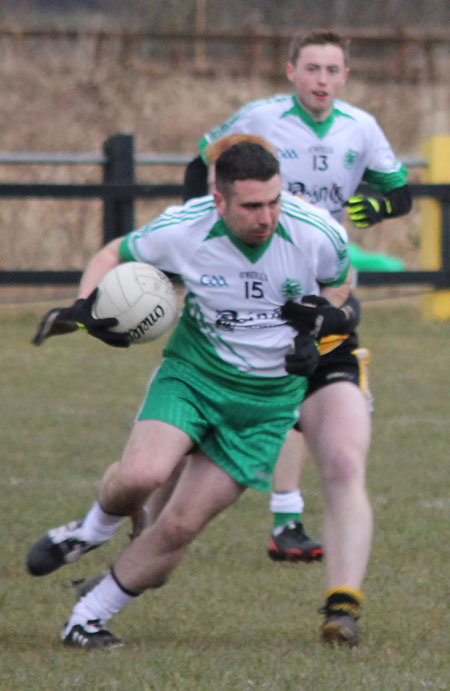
{"points": [[202, 146], [385, 182], [339, 280], [125, 252]]}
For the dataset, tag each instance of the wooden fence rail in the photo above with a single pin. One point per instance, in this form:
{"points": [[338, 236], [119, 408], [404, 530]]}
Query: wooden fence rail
{"points": [[119, 192]]}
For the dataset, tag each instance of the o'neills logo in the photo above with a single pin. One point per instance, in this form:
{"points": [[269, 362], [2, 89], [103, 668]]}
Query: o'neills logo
{"points": [[146, 324]]}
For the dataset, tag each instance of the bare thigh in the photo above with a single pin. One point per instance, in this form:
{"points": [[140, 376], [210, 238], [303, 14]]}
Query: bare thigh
{"points": [[336, 423], [153, 450], [203, 490]]}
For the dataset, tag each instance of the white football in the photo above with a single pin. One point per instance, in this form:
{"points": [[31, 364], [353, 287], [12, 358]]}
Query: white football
{"points": [[140, 297]]}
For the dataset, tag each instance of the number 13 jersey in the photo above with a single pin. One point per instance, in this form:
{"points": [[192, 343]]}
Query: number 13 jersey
{"points": [[324, 162]]}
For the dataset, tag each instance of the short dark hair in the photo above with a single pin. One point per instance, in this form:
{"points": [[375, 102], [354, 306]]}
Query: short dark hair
{"points": [[318, 38], [245, 161]]}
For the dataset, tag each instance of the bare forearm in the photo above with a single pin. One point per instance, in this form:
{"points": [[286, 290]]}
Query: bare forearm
{"points": [[107, 258], [337, 295]]}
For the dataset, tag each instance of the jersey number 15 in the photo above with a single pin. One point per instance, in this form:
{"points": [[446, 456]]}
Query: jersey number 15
{"points": [[253, 289]]}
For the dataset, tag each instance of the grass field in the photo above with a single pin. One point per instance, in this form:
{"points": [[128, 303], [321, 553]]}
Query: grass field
{"points": [[229, 619]]}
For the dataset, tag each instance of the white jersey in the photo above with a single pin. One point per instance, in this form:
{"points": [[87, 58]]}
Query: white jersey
{"points": [[324, 162], [234, 292]]}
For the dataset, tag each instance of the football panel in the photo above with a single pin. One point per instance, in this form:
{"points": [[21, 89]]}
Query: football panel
{"points": [[129, 282], [117, 290], [152, 280], [141, 297], [148, 319]]}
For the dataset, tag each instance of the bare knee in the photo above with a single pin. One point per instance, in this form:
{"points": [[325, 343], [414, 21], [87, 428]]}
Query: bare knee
{"points": [[137, 479], [143, 480], [178, 528], [345, 466]]}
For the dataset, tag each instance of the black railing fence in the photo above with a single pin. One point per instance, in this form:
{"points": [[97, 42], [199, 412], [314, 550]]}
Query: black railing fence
{"points": [[119, 192]]}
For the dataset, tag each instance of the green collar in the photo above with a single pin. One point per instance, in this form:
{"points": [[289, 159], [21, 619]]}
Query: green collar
{"points": [[319, 128], [253, 254]]}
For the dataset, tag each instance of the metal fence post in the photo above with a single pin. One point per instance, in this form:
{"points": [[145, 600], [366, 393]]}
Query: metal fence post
{"points": [[118, 214]]}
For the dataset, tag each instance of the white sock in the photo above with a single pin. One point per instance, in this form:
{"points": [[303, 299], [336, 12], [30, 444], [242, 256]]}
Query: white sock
{"points": [[99, 526], [287, 502], [106, 599]]}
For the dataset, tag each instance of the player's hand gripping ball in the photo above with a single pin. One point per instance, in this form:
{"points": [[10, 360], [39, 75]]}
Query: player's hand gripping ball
{"points": [[62, 320], [141, 298], [134, 303]]}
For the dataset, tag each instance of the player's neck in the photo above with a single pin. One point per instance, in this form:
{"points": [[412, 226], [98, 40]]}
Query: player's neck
{"points": [[316, 115]]}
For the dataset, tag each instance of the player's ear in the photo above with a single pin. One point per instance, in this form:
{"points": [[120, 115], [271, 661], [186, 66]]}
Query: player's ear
{"points": [[219, 201], [290, 69], [211, 179]]}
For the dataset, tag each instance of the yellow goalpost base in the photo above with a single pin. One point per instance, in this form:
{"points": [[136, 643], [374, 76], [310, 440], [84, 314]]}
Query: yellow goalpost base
{"points": [[436, 151], [436, 305]]}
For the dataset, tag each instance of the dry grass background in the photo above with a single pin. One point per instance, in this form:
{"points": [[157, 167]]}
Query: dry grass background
{"points": [[63, 101]]}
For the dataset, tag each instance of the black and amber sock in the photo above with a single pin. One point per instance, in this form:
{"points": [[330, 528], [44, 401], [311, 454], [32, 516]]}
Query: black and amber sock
{"points": [[343, 601]]}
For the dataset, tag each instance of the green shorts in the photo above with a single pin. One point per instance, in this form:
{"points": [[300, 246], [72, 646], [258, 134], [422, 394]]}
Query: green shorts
{"points": [[241, 432]]}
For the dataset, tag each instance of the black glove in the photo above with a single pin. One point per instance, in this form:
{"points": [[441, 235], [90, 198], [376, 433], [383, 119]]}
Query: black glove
{"points": [[318, 320], [62, 320], [365, 211], [305, 358], [51, 324], [352, 308]]}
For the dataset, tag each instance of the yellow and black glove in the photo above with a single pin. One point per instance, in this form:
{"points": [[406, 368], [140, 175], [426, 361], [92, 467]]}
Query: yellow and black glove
{"points": [[366, 211]]}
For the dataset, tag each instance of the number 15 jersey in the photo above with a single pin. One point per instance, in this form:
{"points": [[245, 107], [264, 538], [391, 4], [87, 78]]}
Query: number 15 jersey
{"points": [[234, 293]]}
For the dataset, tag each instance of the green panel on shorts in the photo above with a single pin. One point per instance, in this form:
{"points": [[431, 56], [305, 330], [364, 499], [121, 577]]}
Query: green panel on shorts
{"points": [[242, 433]]}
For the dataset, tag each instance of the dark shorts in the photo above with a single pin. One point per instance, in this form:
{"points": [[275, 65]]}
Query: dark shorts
{"points": [[339, 364], [346, 362]]}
